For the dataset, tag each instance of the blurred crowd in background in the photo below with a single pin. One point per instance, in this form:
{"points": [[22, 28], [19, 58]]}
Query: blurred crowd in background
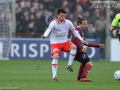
{"points": [[34, 16]]}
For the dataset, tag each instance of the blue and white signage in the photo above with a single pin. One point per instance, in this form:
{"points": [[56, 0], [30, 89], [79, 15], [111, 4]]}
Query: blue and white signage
{"points": [[37, 49]]}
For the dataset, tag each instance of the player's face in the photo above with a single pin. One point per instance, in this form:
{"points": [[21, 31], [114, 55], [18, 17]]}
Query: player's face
{"points": [[61, 17], [84, 24]]}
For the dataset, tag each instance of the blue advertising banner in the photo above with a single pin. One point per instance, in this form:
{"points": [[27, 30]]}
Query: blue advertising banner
{"points": [[37, 49]]}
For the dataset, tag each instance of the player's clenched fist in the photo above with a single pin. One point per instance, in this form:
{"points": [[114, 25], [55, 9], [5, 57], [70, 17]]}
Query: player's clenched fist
{"points": [[101, 46]]}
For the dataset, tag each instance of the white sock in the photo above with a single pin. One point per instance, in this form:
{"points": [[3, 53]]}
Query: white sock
{"points": [[71, 56], [54, 67]]}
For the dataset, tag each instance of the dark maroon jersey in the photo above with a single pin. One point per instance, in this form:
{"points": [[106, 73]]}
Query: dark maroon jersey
{"points": [[78, 43]]}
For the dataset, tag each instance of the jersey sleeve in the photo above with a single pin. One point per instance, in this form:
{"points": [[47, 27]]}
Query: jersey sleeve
{"points": [[71, 26], [115, 21], [50, 27], [92, 45]]}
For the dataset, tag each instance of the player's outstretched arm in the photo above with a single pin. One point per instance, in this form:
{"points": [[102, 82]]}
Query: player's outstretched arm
{"points": [[95, 45], [79, 37], [46, 33]]}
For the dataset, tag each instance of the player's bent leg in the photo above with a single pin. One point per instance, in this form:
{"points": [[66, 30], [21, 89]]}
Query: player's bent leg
{"points": [[90, 63], [71, 57], [86, 70], [54, 66], [73, 47], [80, 72]]}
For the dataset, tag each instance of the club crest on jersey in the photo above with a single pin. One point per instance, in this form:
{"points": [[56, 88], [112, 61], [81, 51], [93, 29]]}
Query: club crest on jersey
{"points": [[66, 27]]}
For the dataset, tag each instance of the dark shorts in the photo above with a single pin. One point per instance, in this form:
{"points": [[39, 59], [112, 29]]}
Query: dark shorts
{"points": [[82, 58]]}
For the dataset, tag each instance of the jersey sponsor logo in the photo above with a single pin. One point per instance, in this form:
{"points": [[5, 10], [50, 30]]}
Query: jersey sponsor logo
{"points": [[84, 56], [61, 35], [54, 50]]}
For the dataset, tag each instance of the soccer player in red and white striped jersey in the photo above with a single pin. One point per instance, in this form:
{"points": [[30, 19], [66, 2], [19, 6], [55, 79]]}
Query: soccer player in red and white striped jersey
{"points": [[81, 55]]}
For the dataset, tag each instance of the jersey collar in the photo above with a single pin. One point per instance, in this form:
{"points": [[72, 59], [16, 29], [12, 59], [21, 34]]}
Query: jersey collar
{"points": [[81, 29], [60, 22]]}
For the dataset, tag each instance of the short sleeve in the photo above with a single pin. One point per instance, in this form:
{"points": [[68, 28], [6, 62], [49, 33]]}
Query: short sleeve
{"points": [[115, 21], [71, 26]]}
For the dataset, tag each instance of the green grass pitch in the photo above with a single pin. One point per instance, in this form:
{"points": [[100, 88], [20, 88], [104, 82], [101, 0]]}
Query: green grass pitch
{"points": [[37, 75]]}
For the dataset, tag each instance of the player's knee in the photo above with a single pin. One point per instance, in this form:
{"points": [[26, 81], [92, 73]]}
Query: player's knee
{"points": [[56, 56], [74, 47], [90, 63]]}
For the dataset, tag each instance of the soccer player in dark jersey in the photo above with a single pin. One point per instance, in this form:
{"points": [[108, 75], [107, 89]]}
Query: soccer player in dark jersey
{"points": [[81, 55]]}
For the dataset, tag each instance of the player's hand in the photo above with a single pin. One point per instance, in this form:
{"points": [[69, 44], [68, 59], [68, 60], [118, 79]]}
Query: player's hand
{"points": [[84, 42], [114, 32], [42, 37], [84, 50], [101, 46]]}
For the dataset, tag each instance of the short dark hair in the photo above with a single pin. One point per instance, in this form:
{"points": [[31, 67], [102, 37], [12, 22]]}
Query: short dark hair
{"points": [[61, 10], [79, 20]]}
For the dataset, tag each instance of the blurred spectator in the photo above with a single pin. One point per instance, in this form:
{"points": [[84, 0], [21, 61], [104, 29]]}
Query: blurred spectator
{"points": [[95, 16], [51, 5], [100, 26], [47, 17], [71, 4], [35, 4], [41, 9], [79, 6], [22, 3], [71, 17], [19, 18], [32, 28], [32, 11], [65, 4], [25, 25], [78, 13], [27, 7], [103, 11], [87, 16], [91, 31], [84, 4], [16, 6], [32, 18], [112, 15], [68, 12]]}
